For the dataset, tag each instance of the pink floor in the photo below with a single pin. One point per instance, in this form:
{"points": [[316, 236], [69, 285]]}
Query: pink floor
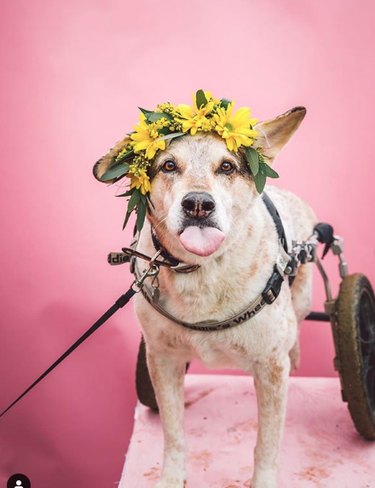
{"points": [[320, 446]]}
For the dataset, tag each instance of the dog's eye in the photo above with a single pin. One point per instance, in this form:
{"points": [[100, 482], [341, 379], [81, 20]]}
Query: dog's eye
{"points": [[226, 167], [169, 166]]}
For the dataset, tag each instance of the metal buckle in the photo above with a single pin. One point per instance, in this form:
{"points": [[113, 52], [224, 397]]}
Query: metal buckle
{"points": [[152, 271], [269, 296], [282, 261]]}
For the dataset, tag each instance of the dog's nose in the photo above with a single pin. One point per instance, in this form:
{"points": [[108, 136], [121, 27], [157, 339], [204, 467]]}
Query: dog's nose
{"points": [[198, 204]]}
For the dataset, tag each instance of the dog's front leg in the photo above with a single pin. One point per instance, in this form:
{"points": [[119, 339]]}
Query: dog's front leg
{"points": [[167, 375], [270, 378]]}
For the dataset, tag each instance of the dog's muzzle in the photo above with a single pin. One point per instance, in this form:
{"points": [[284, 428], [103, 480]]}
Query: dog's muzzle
{"points": [[200, 234]]}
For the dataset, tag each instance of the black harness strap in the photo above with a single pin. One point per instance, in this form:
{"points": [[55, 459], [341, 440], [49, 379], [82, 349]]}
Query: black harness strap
{"points": [[172, 262], [279, 227], [276, 219], [163, 252]]}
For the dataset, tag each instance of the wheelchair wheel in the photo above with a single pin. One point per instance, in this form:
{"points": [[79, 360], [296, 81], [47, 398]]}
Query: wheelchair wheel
{"points": [[354, 335], [145, 390]]}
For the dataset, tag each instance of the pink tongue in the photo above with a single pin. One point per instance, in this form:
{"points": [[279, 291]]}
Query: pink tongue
{"points": [[202, 242]]}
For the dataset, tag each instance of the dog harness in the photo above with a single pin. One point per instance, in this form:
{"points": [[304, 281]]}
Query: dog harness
{"points": [[268, 295]]}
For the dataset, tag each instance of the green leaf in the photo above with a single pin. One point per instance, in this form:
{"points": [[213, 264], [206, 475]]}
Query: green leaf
{"points": [[172, 135], [260, 181], [116, 171], [224, 102], [154, 116], [133, 202], [134, 199], [164, 131], [127, 216], [252, 157], [268, 171], [141, 215], [126, 194], [145, 111], [200, 99], [124, 156]]}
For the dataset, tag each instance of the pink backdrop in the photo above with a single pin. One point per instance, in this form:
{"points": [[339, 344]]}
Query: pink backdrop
{"points": [[73, 74]]}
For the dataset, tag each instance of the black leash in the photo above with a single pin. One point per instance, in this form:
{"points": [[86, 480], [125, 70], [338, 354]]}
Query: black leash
{"points": [[120, 302], [136, 286]]}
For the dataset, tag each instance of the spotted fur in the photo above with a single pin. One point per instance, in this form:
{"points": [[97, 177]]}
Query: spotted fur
{"points": [[226, 282]]}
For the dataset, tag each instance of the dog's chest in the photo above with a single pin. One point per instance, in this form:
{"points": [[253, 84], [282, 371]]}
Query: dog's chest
{"points": [[218, 291], [237, 347], [215, 355]]}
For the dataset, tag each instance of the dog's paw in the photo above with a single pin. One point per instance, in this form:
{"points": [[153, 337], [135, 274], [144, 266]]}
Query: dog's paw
{"points": [[170, 483], [264, 479], [172, 478], [263, 484]]}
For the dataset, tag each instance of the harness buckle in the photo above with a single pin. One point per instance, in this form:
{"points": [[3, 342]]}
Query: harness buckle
{"points": [[273, 287], [269, 296], [282, 261]]}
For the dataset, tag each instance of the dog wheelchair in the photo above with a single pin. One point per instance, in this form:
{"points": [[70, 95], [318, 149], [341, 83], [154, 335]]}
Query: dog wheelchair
{"points": [[352, 318]]}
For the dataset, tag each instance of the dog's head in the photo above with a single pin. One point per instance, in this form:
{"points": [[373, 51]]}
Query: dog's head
{"points": [[202, 193]]}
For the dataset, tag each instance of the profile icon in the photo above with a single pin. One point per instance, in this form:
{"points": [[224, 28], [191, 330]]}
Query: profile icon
{"points": [[18, 480]]}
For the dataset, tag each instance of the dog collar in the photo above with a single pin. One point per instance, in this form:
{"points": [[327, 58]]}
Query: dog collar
{"points": [[176, 264], [267, 297]]}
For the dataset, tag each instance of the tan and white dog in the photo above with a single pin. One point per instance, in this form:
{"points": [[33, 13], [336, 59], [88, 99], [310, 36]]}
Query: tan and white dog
{"points": [[207, 211]]}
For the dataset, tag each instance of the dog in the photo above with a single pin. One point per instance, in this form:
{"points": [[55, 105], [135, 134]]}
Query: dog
{"points": [[207, 212]]}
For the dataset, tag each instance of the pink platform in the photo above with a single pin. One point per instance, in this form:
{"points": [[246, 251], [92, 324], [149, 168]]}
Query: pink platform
{"points": [[320, 446]]}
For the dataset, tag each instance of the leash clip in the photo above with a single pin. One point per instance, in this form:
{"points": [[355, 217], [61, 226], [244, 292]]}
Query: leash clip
{"points": [[151, 272]]}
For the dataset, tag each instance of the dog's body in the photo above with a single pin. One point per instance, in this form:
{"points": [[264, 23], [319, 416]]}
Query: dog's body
{"points": [[261, 346], [232, 273]]}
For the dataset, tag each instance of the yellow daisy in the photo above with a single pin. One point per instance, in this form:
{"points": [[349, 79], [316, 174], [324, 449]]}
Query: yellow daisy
{"points": [[141, 181], [210, 98], [194, 118], [236, 129], [146, 138]]}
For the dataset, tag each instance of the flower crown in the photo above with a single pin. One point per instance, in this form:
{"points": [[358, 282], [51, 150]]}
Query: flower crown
{"points": [[157, 128]]}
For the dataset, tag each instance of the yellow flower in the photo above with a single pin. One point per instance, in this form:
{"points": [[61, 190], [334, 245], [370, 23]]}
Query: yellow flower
{"points": [[194, 118], [146, 138], [210, 98], [141, 181], [236, 129]]}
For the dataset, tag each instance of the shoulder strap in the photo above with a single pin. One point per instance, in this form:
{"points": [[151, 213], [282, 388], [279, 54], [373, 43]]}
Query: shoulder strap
{"points": [[279, 225], [276, 218]]}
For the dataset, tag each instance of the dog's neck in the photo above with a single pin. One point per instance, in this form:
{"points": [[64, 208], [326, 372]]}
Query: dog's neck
{"points": [[225, 282], [171, 260]]}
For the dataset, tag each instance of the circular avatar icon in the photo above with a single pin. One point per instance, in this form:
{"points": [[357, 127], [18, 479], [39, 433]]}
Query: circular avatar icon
{"points": [[18, 481]]}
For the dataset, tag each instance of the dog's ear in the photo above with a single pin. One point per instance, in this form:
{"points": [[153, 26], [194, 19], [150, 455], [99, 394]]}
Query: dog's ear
{"points": [[104, 163], [275, 133]]}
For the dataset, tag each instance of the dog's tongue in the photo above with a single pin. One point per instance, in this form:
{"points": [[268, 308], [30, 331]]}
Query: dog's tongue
{"points": [[202, 242]]}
